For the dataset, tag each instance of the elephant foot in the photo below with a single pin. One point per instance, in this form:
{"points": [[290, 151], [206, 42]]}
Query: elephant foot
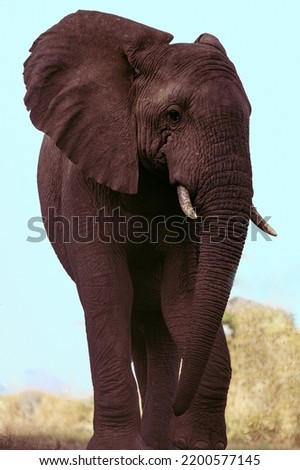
{"points": [[206, 431], [154, 441], [115, 442]]}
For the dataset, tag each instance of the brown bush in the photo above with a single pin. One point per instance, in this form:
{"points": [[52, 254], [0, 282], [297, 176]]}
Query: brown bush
{"points": [[263, 406]]}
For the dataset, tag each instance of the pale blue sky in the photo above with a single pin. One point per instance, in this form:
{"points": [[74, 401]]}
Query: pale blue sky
{"points": [[42, 337]]}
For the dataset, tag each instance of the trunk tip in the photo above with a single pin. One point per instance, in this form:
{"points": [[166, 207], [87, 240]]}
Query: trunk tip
{"points": [[178, 409], [184, 398]]}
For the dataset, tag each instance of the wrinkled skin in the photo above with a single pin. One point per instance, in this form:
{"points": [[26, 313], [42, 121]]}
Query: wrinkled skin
{"points": [[127, 118]]}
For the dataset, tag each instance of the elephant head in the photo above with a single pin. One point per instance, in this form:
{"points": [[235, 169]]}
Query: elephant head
{"points": [[114, 94]]}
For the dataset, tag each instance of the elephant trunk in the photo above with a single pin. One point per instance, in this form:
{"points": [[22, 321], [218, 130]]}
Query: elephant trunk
{"points": [[187, 208], [225, 215]]}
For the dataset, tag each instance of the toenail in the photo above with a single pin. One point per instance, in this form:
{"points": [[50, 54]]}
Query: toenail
{"points": [[200, 445], [181, 443], [220, 446]]}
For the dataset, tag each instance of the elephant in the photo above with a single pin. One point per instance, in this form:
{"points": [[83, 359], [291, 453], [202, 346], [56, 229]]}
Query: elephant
{"points": [[145, 186]]}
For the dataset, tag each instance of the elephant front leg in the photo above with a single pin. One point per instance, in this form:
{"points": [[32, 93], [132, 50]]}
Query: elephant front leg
{"points": [[203, 425], [116, 411], [156, 362], [107, 302]]}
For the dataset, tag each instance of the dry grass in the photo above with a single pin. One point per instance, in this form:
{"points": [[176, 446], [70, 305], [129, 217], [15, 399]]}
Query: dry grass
{"points": [[264, 401], [37, 420], [263, 407]]}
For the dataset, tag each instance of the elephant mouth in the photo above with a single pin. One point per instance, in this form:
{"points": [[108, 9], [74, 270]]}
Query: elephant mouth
{"points": [[188, 209], [157, 168]]}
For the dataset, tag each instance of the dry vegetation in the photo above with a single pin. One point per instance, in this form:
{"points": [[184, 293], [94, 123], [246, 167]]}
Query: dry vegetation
{"points": [[37, 420], [264, 401], [263, 407]]}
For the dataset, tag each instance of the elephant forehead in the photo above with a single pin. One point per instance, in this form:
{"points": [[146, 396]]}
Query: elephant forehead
{"points": [[192, 93], [223, 92], [199, 74], [166, 90], [197, 58]]}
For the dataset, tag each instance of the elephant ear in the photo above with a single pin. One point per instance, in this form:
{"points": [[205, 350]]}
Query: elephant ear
{"points": [[210, 40], [78, 80]]}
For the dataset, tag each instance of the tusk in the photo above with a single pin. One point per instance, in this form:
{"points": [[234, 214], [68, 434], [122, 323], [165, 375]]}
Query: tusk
{"points": [[185, 202], [260, 222]]}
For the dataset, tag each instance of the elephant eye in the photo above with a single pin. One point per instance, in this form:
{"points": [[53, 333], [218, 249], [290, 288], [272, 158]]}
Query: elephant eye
{"points": [[174, 116]]}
